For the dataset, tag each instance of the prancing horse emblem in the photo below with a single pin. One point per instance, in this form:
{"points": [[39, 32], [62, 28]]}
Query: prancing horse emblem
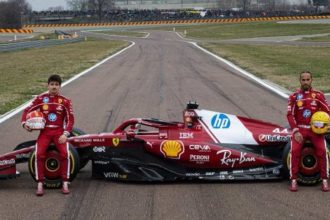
{"points": [[115, 141]]}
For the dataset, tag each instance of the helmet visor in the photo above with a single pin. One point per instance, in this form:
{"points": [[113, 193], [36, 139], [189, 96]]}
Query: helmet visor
{"points": [[319, 124]]}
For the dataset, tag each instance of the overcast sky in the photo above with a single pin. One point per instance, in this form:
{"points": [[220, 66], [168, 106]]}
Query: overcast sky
{"points": [[39, 5]]}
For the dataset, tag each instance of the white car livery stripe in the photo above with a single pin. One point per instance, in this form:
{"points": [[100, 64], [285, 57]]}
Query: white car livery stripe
{"points": [[226, 128]]}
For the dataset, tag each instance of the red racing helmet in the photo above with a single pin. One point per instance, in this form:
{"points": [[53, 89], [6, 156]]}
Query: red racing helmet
{"points": [[35, 120]]}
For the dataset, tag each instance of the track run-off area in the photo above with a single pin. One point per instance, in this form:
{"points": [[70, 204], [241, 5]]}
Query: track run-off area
{"points": [[155, 78]]}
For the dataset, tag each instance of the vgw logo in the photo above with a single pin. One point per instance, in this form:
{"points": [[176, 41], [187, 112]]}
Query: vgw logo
{"points": [[220, 121]]}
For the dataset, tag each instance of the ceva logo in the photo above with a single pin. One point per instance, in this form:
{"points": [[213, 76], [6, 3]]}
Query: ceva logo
{"points": [[220, 121]]}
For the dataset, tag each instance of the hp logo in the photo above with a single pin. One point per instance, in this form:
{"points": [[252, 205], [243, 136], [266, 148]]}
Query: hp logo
{"points": [[220, 121]]}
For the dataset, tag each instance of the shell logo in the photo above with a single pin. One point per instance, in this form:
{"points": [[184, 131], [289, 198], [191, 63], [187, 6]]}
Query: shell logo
{"points": [[172, 149]]}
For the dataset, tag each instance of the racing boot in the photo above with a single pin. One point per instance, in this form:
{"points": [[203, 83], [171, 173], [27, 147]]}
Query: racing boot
{"points": [[324, 185], [65, 187], [40, 189], [294, 186]]}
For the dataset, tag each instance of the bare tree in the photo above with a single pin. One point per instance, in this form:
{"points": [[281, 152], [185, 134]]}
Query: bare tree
{"points": [[100, 6], [245, 4], [22, 5], [12, 12], [227, 4], [78, 5], [56, 8], [320, 2]]}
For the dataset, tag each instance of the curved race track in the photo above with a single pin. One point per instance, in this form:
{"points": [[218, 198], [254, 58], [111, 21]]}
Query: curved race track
{"points": [[155, 78]]}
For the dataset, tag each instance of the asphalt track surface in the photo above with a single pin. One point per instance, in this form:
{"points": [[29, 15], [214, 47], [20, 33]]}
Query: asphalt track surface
{"points": [[155, 78]]}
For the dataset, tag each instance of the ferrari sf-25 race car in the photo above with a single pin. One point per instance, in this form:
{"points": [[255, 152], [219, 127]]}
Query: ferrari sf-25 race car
{"points": [[207, 145]]}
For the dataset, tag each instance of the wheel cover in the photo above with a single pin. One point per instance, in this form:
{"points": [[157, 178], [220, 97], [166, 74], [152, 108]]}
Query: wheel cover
{"points": [[308, 162], [52, 165]]}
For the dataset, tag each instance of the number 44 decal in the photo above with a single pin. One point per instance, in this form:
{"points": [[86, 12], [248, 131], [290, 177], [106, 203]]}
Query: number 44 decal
{"points": [[281, 130]]}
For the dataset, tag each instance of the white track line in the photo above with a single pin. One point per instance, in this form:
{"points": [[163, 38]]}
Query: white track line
{"points": [[244, 72], [13, 112], [240, 70]]}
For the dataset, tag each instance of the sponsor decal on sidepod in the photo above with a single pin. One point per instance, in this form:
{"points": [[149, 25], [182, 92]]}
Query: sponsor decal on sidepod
{"points": [[200, 148], [7, 162], [172, 149], [273, 138], [99, 149], [226, 160]]}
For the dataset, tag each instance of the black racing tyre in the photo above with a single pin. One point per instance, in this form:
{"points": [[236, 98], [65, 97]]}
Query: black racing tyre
{"points": [[52, 166], [84, 153], [309, 173]]}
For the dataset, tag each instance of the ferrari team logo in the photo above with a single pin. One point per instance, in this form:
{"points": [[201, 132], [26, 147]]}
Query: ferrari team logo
{"points": [[313, 95], [172, 149], [45, 107], [60, 101], [115, 141]]}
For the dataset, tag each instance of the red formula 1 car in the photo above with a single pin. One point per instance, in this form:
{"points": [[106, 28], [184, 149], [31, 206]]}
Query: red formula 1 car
{"points": [[207, 145]]}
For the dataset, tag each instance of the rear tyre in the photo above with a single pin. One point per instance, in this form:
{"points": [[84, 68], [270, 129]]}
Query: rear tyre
{"points": [[52, 166], [309, 172]]}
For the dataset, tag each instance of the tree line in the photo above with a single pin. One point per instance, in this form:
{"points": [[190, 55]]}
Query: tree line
{"points": [[15, 13], [11, 13]]}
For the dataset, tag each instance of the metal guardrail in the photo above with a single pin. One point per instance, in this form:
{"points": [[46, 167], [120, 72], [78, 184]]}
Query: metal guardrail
{"points": [[37, 44]]}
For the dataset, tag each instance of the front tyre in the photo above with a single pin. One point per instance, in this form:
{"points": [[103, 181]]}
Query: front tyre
{"points": [[52, 165]]}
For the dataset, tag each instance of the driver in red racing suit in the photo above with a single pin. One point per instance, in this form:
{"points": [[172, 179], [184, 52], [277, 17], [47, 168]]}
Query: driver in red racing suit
{"points": [[301, 106], [58, 114]]}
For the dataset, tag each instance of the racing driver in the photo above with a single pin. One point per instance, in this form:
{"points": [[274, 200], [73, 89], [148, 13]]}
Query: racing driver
{"points": [[59, 119], [302, 104]]}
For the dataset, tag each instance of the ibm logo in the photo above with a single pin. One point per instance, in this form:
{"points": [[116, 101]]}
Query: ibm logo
{"points": [[220, 121]]}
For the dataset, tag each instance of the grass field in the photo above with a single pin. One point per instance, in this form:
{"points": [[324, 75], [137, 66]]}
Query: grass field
{"points": [[24, 73], [279, 64], [249, 30]]}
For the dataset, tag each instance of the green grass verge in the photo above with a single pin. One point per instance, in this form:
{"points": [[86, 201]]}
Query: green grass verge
{"points": [[317, 39], [24, 73], [248, 30], [279, 64]]}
